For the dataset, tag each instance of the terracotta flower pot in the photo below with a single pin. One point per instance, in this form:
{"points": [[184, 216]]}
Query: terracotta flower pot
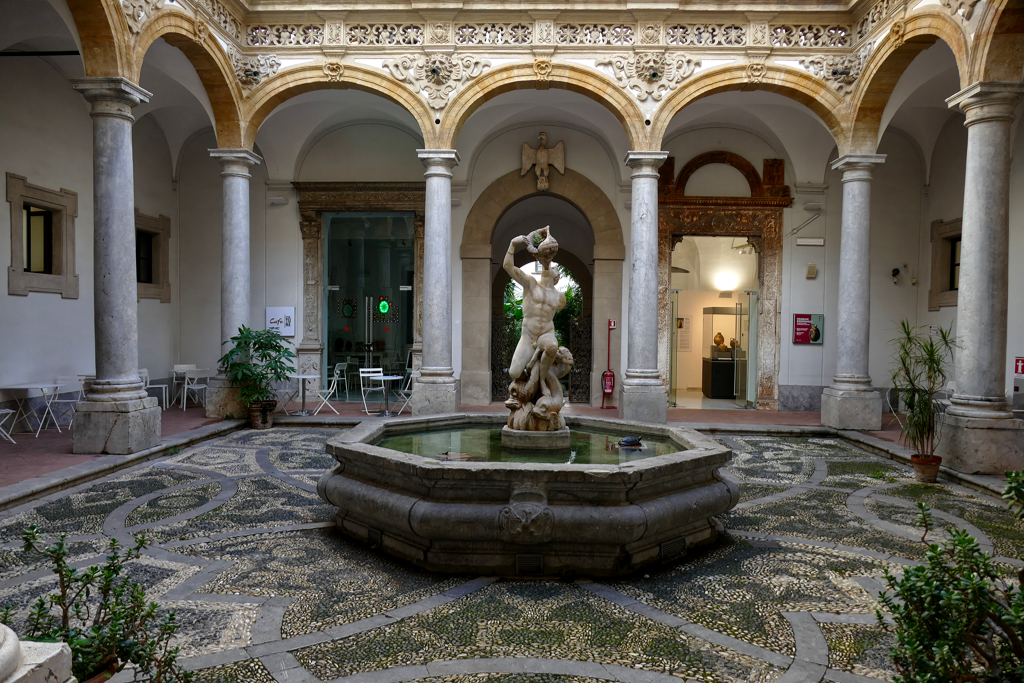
{"points": [[104, 675], [926, 469], [261, 414]]}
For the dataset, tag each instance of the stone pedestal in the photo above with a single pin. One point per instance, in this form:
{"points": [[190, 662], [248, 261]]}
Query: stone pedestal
{"points": [[116, 427], [979, 446], [851, 409], [222, 400], [534, 441], [434, 399], [29, 662], [644, 403]]}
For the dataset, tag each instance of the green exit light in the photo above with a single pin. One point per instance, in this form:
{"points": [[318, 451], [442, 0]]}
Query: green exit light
{"points": [[384, 306]]}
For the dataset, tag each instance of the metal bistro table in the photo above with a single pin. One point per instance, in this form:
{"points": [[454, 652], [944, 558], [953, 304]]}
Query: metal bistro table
{"points": [[49, 390], [302, 381], [384, 379]]}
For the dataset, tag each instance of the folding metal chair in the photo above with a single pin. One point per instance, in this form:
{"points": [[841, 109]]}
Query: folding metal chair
{"points": [[325, 394], [404, 393], [5, 414], [66, 406], [192, 383], [162, 388], [365, 388]]}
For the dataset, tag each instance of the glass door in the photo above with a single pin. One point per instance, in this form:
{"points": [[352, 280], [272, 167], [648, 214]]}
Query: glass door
{"points": [[673, 355], [740, 355], [368, 277]]}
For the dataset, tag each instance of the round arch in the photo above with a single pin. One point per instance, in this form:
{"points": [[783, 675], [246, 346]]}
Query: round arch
{"points": [[477, 281], [886, 65], [998, 43], [592, 84], [308, 77], [209, 60], [103, 32], [750, 173], [797, 85]]}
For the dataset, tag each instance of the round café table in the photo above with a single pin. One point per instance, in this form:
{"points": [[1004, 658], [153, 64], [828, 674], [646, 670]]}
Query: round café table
{"points": [[303, 379], [384, 379]]}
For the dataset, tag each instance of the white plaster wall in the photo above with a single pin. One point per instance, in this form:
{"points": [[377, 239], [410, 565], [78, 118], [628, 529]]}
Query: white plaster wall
{"points": [[1015, 317], [362, 153], [46, 136], [155, 196]]}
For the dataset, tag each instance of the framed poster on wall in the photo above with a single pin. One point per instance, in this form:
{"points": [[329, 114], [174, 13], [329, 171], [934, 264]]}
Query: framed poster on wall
{"points": [[281, 318], [808, 328]]}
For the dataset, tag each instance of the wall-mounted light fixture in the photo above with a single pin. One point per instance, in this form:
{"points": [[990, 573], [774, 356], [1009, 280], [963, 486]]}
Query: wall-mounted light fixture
{"points": [[812, 271], [895, 275]]}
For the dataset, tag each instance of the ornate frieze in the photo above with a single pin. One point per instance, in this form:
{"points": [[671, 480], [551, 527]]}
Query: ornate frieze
{"points": [[385, 34], [545, 32], [963, 7], [138, 12], [437, 76], [284, 35], [439, 33], [649, 33], [811, 35], [251, 71], [334, 33], [706, 35], [222, 17], [650, 74], [594, 34], [494, 34], [839, 71], [759, 34], [874, 17]]}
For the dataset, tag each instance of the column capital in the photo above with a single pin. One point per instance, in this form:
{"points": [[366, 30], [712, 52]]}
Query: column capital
{"points": [[448, 158], [987, 101], [645, 161], [857, 166], [110, 89], [236, 162]]}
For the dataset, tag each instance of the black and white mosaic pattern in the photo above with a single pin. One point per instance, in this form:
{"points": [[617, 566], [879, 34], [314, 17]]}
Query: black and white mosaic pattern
{"points": [[266, 590]]}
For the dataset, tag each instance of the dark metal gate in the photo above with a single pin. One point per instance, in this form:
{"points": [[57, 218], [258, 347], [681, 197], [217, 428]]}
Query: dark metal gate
{"points": [[503, 345], [581, 345]]}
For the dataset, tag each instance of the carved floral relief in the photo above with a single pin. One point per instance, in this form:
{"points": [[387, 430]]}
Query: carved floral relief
{"points": [[437, 76], [251, 71], [650, 74], [138, 12]]}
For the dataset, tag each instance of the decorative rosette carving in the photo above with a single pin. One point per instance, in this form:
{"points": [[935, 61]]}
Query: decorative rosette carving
{"points": [[437, 76], [650, 74]]}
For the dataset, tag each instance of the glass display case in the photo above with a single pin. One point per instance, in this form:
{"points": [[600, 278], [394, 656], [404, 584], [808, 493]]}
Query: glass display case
{"points": [[724, 351]]}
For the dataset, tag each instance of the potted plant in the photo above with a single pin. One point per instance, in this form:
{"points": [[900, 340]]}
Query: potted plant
{"points": [[103, 615], [257, 359], [919, 375]]}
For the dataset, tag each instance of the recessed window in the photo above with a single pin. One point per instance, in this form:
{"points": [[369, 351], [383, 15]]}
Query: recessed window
{"points": [[37, 239], [954, 263], [144, 257], [152, 256], [43, 250], [945, 264]]}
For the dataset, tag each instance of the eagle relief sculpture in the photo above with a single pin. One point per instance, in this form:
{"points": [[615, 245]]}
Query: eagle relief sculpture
{"points": [[535, 394], [542, 157]]}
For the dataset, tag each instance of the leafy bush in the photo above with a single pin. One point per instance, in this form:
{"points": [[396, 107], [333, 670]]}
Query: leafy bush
{"points": [[103, 615], [257, 359], [956, 618], [920, 374]]}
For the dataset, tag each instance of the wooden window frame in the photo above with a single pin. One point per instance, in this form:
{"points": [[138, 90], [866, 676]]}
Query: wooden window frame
{"points": [[160, 228], [943, 234], [64, 205]]}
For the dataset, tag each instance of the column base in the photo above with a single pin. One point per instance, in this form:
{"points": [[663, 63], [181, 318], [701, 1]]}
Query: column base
{"points": [[222, 400], [976, 446], [116, 428], [435, 399], [644, 403], [851, 409]]}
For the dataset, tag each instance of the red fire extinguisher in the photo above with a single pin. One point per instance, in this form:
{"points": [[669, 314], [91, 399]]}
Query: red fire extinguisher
{"points": [[608, 377]]}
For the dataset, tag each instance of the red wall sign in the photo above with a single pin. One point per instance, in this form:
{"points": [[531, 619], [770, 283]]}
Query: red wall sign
{"points": [[808, 328], [1018, 367]]}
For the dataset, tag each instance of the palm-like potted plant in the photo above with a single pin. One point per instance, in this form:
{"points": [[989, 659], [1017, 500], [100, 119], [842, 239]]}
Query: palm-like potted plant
{"points": [[257, 359], [919, 375]]}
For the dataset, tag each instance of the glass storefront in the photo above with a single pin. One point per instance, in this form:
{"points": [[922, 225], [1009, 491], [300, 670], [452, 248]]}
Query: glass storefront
{"points": [[368, 276]]}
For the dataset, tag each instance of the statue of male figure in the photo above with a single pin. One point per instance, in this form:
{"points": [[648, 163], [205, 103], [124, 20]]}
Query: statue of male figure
{"points": [[540, 302]]}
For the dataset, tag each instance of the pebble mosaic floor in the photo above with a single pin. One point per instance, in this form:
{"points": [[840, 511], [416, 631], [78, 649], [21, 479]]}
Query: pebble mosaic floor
{"points": [[267, 591]]}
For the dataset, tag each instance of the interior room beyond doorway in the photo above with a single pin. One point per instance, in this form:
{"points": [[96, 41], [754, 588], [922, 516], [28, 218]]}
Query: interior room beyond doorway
{"points": [[713, 294]]}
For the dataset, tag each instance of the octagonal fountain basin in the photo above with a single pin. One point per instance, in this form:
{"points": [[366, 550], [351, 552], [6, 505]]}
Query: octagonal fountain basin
{"points": [[441, 493]]}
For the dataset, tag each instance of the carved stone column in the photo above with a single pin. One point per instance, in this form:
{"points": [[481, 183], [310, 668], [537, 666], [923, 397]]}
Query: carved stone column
{"points": [[978, 433], [117, 415], [222, 397], [436, 390], [310, 351], [417, 299], [851, 403], [644, 397]]}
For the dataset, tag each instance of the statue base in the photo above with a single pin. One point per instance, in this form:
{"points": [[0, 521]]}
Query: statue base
{"points": [[534, 441]]}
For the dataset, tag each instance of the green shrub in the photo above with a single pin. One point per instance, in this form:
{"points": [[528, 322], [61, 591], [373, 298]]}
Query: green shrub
{"points": [[256, 360], [103, 615], [956, 617]]}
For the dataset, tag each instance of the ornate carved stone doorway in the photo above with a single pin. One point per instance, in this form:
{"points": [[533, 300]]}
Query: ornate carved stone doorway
{"points": [[314, 200], [757, 218]]}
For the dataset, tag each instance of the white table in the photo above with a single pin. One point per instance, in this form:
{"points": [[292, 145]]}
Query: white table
{"points": [[49, 390], [384, 379], [302, 380]]}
